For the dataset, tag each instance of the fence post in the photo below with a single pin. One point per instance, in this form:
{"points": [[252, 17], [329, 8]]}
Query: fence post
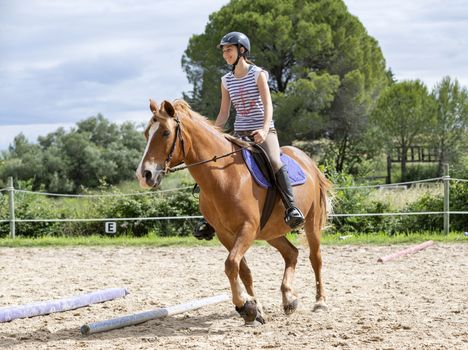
{"points": [[446, 179], [11, 195], [388, 180]]}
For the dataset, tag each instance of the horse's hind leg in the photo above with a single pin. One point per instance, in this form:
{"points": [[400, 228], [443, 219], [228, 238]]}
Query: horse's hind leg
{"points": [[312, 228], [289, 253]]}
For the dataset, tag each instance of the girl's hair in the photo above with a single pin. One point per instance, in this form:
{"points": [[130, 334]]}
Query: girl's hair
{"points": [[249, 61], [244, 55]]}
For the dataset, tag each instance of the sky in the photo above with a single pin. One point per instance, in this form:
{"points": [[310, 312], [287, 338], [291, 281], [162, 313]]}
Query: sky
{"points": [[64, 61]]}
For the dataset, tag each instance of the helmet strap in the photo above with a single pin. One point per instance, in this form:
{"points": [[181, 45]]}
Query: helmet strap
{"points": [[238, 57]]}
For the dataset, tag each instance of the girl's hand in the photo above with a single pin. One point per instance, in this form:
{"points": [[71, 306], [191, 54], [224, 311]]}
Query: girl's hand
{"points": [[259, 135]]}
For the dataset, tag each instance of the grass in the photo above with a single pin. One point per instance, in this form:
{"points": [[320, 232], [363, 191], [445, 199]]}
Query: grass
{"points": [[380, 238], [400, 199]]}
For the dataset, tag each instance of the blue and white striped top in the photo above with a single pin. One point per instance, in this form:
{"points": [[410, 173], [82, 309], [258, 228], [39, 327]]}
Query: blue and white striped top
{"points": [[246, 99]]}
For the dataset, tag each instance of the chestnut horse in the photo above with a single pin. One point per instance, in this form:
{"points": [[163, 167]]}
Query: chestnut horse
{"points": [[232, 202]]}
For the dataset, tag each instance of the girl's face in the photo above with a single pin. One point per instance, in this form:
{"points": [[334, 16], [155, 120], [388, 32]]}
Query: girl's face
{"points": [[230, 53]]}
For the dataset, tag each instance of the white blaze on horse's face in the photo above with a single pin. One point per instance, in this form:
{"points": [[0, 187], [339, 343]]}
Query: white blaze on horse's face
{"points": [[149, 173]]}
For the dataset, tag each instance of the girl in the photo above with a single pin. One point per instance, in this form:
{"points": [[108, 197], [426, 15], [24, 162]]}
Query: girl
{"points": [[246, 87]]}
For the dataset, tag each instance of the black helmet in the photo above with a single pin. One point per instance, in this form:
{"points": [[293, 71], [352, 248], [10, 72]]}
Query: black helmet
{"points": [[235, 38]]}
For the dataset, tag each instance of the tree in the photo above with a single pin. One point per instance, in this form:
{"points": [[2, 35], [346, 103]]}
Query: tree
{"points": [[404, 113], [313, 49], [99, 129], [64, 162], [23, 161], [452, 120]]}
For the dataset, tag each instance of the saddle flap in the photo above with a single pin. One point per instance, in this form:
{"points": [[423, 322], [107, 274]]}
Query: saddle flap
{"points": [[295, 172]]}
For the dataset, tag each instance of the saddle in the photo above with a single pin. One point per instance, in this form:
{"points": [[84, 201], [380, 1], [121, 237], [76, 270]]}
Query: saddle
{"points": [[260, 167]]}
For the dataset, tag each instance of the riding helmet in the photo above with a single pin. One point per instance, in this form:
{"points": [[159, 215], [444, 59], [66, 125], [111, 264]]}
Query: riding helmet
{"points": [[235, 38]]}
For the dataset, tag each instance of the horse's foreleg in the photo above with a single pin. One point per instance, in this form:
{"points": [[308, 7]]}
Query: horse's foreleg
{"points": [[289, 253], [313, 237], [246, 306], [244, 271], [246, 277], [232, 269]]}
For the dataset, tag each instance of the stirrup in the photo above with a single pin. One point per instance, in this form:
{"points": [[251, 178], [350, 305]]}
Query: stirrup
{"points": [[293, 217], [203, 230]]}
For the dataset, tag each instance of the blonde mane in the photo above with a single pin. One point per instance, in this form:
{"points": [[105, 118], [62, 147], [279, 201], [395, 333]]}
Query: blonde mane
{"points": [[184, 107]]}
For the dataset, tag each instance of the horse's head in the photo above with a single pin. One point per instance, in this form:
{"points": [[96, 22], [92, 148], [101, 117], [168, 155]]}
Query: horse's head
{"points": [[164, 146]]}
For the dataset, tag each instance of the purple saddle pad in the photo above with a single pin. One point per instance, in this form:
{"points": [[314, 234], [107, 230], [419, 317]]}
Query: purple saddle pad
{"points": [[296, 174]]}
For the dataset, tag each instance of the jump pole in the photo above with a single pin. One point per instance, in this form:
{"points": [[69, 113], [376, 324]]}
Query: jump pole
{"points": [[407, 251], [141, 317], [47, 307]]}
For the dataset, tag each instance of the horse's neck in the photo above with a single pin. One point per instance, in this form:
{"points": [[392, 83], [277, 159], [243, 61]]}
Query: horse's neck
{"points": [[206, 143]]}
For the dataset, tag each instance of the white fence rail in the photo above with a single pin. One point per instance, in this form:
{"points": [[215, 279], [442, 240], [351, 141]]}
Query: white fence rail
{"points": [[13, 220]]}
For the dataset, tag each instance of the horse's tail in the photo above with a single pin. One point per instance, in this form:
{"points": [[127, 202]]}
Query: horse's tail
{"points": [[325, 202]]}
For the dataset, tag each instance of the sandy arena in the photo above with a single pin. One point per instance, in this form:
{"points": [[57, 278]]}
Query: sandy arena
{"points": [[415, 302]]}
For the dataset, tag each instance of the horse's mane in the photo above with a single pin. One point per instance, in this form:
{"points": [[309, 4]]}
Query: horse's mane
{"points": [[183, 106]]}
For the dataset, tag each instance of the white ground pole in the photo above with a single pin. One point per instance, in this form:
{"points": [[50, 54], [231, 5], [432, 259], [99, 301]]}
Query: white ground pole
{"points": [[141, 317]]}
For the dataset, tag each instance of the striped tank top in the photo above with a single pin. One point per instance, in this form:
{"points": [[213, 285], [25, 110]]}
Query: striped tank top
{"points": [[246, 99]]}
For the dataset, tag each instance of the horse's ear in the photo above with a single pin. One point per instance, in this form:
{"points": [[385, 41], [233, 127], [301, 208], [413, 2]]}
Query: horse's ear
{"points": [[169, 108], [153, 106]]}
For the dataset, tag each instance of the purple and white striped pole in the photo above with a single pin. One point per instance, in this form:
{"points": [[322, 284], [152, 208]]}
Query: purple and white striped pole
{"points": [[47, 307]]}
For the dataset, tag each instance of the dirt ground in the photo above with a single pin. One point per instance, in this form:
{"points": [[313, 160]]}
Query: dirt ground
{"points": [[415, 302]]}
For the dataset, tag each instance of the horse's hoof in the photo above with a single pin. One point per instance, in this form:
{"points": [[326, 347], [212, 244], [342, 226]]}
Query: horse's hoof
{"points": [[320, 306], [259, 319], [290, 308], [253, 324], [250, 313]]}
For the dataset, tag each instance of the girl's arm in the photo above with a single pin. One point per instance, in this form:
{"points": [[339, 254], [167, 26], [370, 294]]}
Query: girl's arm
{"points": [[261, 134], [224, 109]]}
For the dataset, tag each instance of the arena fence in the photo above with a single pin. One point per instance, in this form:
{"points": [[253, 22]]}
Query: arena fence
{"points": [[10, 190]]}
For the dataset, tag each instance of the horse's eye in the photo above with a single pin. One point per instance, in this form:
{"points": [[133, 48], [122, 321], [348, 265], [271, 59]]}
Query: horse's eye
{"points": [[166, 133]]}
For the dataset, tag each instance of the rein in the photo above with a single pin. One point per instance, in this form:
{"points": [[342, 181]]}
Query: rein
{"points": [[168, 169]]}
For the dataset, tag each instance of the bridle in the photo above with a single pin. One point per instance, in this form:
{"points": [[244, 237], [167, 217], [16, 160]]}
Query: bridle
{"points": [[180, 166], [178, 132]]}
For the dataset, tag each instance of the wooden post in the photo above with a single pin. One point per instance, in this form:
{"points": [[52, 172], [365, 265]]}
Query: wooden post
{"points": [[388, 180], [11, 195], [446, 179]]}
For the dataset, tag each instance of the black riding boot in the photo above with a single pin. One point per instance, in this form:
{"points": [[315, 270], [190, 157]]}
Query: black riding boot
{"points": [[204, 230], [293, 217]]}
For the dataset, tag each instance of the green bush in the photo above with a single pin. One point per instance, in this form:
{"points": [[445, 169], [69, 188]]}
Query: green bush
{"points": [[183, 203], [459, 202], [33, 207], [411, 223], [347, 200], [415, 172], [179, 203], [427, 203], [156, 204]]}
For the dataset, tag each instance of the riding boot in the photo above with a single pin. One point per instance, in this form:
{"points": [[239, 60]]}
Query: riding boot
{"points": [[292, 216], [203, 230]]}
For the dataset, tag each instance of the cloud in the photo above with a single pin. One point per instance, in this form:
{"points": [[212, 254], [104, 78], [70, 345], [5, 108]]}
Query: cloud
{"points": [[63, 61], [420, 39]]}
